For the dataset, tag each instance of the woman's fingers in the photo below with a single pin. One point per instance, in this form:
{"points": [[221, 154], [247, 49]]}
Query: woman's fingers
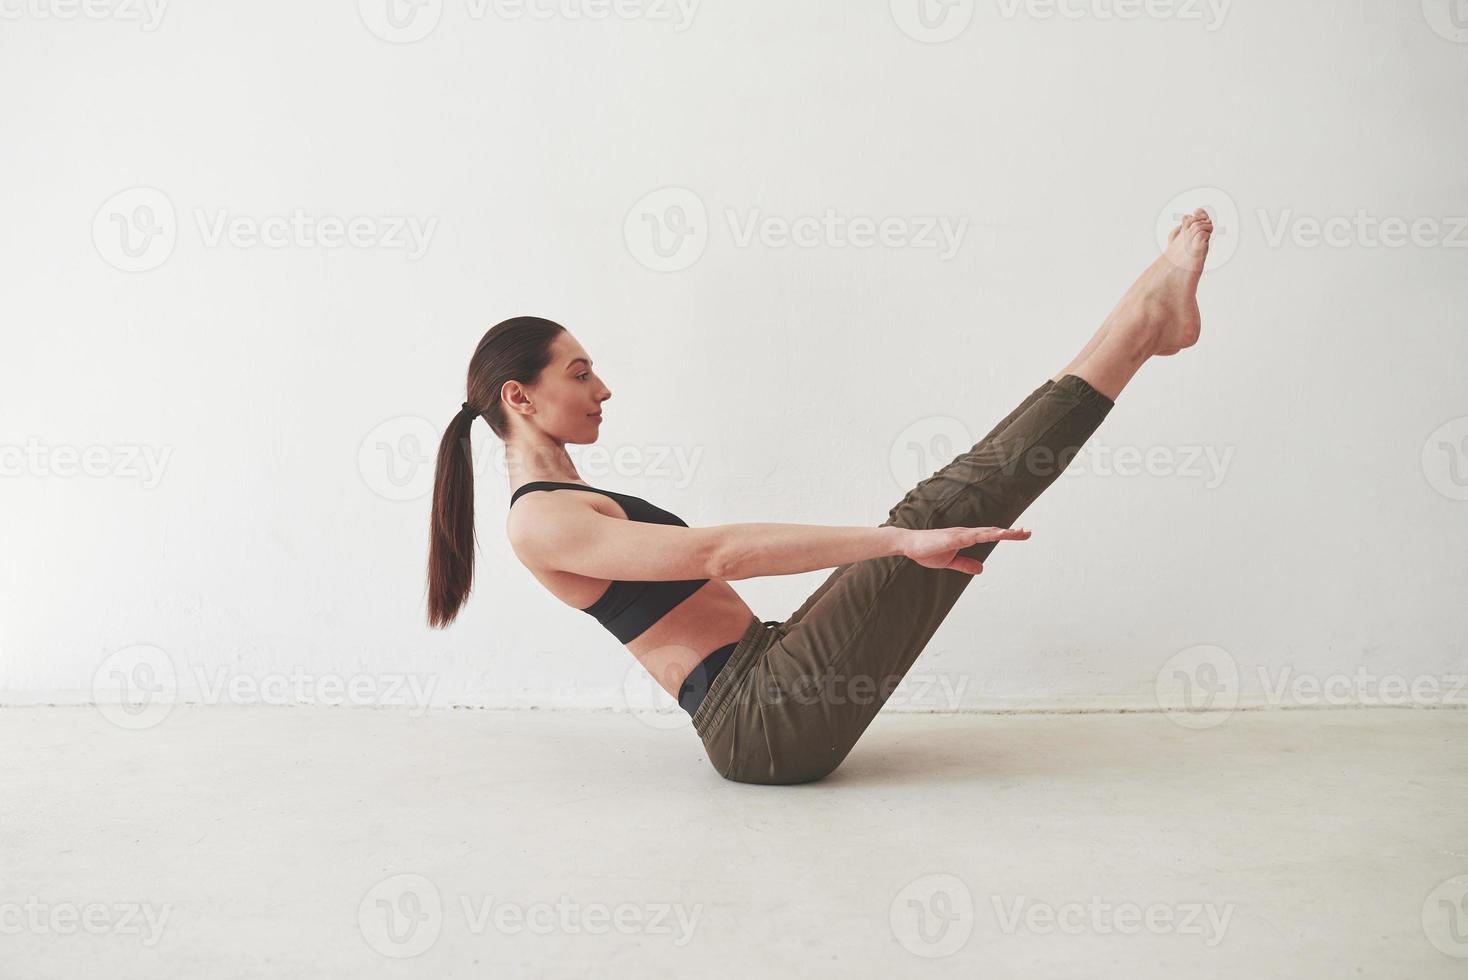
{"points": [[999, 533], [969, 565]]}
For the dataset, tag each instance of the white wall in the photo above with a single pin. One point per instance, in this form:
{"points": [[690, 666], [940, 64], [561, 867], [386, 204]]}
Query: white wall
{"points": [[265, 543]]}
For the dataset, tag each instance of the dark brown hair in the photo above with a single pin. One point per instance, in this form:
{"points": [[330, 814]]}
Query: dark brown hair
{"points": [[517, 349]]}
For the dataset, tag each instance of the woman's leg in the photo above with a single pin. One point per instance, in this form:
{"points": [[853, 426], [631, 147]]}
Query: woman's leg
{"points": [[819, 685], [1000, 427]]}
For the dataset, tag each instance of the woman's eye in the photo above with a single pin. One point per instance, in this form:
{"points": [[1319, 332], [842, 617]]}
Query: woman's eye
{"points": [[583, 375]]}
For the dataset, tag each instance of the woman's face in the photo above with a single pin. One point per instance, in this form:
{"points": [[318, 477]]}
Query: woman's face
{"points": [[569, 395]]}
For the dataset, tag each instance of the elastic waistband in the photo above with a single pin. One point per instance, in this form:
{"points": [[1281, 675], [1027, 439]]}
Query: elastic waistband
{"points": [[700, 679], [726, 684]]}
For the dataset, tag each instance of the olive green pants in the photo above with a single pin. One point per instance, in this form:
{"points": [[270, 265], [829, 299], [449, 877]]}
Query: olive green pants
{"points": [[794, 697]]}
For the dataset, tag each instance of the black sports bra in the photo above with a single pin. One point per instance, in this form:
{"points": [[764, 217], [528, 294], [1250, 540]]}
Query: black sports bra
{"points": [[628, 609]]}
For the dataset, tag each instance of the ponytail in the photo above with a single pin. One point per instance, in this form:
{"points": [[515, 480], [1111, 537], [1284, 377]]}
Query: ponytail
{"points": [[451, 544], [517, 349]]}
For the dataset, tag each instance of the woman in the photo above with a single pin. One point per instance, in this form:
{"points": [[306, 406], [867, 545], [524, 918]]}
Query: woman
{"points": [[774, 702]]}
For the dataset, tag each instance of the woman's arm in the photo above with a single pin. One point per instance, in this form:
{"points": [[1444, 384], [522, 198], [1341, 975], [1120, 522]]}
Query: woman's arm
{"points": [[757, 550], [570, 536], [573, 537]]}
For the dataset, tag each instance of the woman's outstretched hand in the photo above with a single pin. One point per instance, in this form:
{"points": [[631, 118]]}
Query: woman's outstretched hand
{"points": [[939, 547]]}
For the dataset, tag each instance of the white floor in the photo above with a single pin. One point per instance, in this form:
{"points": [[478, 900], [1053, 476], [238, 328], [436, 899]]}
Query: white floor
{"points": [[317, 842]]}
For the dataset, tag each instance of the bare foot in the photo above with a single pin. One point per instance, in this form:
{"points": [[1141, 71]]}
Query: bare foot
{"points": [[1163, 302]]}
